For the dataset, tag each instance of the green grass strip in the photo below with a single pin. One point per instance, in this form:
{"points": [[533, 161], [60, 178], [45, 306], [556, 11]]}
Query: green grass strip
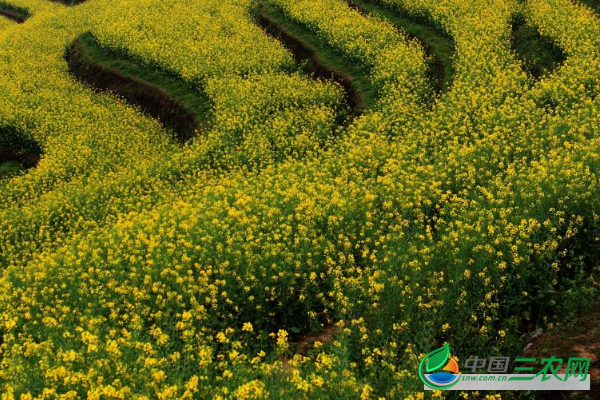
{"points": [[15, 13], [438, 45], [176, 103], [319, 59], [539, 54], [8, 169]]}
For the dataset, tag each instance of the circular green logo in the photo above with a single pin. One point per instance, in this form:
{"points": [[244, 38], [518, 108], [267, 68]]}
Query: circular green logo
{"points": [[439, 378]]}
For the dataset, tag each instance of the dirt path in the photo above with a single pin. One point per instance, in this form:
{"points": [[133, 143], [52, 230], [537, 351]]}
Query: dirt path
{"points": [[580, 338]]}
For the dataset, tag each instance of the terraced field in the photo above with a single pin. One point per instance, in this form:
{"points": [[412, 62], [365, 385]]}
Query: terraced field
{"points": [[289, 198]]}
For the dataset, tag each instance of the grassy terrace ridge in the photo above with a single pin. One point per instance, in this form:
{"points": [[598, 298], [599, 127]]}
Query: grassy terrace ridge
{"points": [[69, 2], [318, 58], [593, 4], [539, 54], [438, 45], [15, 13], [177, 104]]}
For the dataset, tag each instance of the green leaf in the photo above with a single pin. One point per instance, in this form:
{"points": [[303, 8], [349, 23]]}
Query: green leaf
{"points": [[437, 358]]}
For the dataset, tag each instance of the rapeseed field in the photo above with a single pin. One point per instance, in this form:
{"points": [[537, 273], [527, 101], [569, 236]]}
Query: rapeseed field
{"points": [[296, 247]]}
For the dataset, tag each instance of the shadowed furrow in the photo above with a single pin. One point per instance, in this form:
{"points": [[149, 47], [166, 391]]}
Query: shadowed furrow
{"points": [[539, 54], [17, 152], [14, 13], [438, 45], [174, 102]]}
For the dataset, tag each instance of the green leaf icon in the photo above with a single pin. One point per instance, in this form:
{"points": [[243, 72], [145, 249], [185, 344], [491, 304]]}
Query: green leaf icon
{"points": [[437, 358]]}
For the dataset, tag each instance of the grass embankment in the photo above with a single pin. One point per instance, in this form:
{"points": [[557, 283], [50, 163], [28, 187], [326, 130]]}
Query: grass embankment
{"points": [[438, 45], [14, 13], [539, 54], [179, 105], [319, 59]]}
